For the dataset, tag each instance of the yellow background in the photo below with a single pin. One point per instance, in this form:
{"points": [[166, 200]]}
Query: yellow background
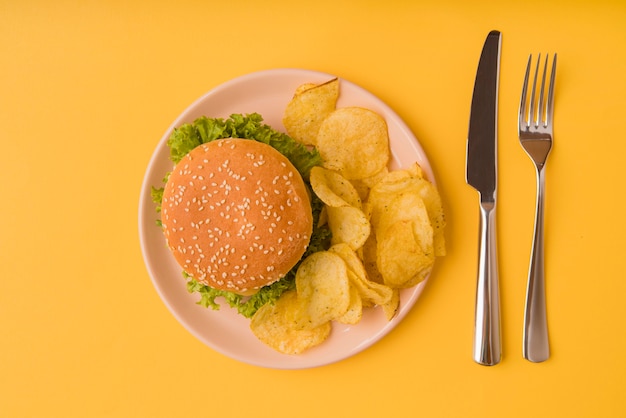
{"points": [[87, 88]]}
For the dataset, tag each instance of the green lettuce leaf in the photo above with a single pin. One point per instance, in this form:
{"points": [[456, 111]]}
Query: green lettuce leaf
{"points": [[188, 136]]}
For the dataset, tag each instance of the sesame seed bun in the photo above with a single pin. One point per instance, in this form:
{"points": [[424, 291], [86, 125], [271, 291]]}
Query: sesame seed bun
{"points": [[236, 215]]}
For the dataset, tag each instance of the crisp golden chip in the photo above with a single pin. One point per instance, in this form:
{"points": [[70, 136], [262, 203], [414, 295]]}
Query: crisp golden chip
{"points": [[408, 206], [349, 225], [409, 180], [354, 141], [308, 108], [391, 308], [371, 293], [323, 219], [355, 309], [368, 254], [322, 285], [382, 194], [333, 189], [278, 326], [363, 186], [432, 200], [302, 87], [402, 260], [434, 207], [342, 212]]}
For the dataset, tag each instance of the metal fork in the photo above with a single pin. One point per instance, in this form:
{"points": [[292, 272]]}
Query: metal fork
{"points": [[535, 134]]}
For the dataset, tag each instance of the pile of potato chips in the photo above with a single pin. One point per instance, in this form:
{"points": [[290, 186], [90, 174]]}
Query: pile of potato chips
{"points": [[387, 226]]}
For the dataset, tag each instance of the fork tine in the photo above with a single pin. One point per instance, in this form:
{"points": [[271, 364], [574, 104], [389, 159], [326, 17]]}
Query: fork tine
{"points": [[541, 112], [533, 111], [550, 102], [524, 115]]}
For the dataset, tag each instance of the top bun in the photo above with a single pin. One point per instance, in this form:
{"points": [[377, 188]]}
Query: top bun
{"points": [[236, 215]]}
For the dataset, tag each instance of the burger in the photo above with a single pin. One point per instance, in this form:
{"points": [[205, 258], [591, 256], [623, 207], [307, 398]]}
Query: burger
{"points": [[236, 215], [237, 212]]}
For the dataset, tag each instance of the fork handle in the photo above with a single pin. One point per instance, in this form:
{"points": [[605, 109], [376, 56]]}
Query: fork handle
{"points": [[487, 321], [536, 345]]}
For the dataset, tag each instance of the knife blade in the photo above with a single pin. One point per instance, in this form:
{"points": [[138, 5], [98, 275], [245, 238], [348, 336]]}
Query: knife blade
{"points": [[481, 173]]}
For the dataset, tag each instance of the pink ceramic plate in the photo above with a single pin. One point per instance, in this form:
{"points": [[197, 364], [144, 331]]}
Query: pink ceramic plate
{"points": [[266, 93]]}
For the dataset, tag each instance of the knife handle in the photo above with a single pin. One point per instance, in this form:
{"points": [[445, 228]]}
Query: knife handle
{"points": [[487, 342]]}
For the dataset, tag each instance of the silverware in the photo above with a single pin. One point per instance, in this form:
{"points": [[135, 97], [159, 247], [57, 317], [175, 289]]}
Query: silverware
{"points": [[481, 173], [535, 134]]}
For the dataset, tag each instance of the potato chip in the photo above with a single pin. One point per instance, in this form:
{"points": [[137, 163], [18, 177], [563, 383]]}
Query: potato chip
{"points": [[322, 284], [391, 308], [355, 309], [408, 206], [382, 194], [369, 258], [302, 87], [277, 326], [349, 225], [308, 108], [323, 219], [333, 189], [371, 293], [434, 207], [402, 260], [409, 180], [342, 212], [354, 141], [363, 186]]}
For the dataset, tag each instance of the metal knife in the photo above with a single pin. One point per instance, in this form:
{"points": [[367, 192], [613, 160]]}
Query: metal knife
{"points": [[482, 173]]}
